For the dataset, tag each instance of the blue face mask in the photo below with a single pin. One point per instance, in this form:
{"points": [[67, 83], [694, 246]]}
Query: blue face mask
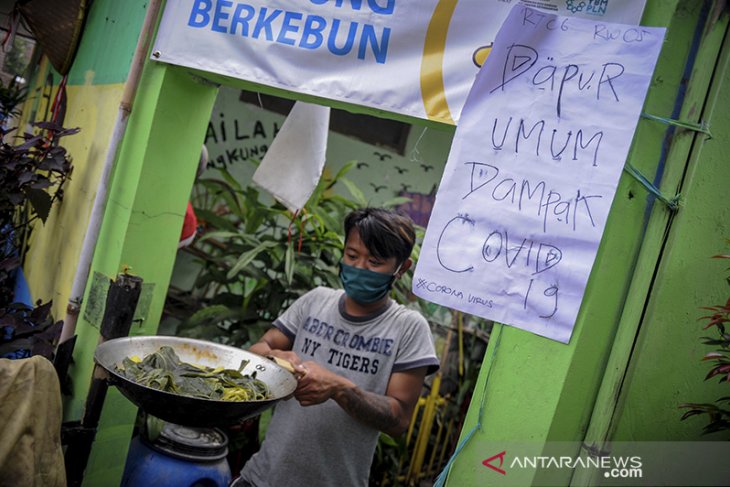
{"points": [[363, 285]]}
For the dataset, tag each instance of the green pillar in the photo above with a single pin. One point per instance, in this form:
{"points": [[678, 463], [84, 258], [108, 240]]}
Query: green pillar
{"points": [[150, 187]]}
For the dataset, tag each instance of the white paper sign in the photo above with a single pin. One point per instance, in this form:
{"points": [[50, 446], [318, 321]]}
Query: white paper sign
{"points": [[413, 57], [533, 170]]}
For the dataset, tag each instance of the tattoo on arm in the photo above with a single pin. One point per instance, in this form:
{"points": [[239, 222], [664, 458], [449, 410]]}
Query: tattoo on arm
{"points": [[370, 408]]}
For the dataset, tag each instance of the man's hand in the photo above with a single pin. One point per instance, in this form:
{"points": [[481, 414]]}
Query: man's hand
{"points": [[289, 356], [275, 344], [289, 361], [318, 384]]}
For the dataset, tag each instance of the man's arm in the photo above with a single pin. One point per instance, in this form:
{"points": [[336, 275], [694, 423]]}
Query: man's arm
{"points": [[389, 413]]}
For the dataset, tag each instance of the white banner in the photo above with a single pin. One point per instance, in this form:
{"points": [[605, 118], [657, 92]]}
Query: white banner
{"points": [[533, 170], [416, 58]]}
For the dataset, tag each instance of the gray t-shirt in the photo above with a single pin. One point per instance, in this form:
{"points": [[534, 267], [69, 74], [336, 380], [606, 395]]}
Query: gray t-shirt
{"points": [[322, 445]]}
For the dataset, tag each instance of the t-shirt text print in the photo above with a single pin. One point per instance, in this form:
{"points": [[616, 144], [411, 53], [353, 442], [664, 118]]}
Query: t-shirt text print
{"points": [[342, 348]]}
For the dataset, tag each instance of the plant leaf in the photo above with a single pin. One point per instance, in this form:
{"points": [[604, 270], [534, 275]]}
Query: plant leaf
{"points": [[356, 193], [41, 202], [247, 257]]}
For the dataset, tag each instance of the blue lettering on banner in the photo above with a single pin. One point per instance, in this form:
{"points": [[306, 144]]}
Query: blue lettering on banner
{"points": [[343, 37], [287, 28], [220, 15], [264, 23], [312, 31], [238, 19], [332, 45], [200, 10]]}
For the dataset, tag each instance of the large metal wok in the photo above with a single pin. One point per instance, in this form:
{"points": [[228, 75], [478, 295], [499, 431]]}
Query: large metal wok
{"points": [[190, 411]]}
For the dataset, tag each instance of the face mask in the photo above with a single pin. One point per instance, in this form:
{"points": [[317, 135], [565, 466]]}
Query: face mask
{"points": [[363, 285]]}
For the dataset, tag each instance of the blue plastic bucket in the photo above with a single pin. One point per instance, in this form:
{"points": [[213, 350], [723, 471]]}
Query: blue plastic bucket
{"points": [[181, 457]]}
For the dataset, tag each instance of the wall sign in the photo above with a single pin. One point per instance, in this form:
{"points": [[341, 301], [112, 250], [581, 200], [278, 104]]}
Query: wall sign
{"points": [[533, 169]]}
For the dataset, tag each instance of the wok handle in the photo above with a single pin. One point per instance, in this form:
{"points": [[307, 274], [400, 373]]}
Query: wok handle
{"points": [[283, 363]]}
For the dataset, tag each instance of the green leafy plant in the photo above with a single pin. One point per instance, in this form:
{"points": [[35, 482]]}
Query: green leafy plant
{"points": [[388, 460], [718, 412], [33, 171]]}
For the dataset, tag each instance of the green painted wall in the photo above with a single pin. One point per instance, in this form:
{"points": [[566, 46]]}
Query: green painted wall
{"points": [[665, 368], [94, 90], [108, 42], [655, 364]]}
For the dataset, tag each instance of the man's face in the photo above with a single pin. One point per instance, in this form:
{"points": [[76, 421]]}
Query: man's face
{"points": [[357, 255]]}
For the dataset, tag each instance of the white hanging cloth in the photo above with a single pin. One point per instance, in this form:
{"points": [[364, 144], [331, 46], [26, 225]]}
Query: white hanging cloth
{"points": [[293, 164]]}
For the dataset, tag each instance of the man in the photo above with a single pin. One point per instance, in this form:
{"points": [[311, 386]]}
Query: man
{"points": [[360, 357]]}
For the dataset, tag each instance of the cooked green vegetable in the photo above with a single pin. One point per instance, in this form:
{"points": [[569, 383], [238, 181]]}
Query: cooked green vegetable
{"points": [[163, 370]]}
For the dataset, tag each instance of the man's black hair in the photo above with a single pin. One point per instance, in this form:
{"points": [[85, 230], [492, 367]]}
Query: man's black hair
{"points": [[385, 233]]}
